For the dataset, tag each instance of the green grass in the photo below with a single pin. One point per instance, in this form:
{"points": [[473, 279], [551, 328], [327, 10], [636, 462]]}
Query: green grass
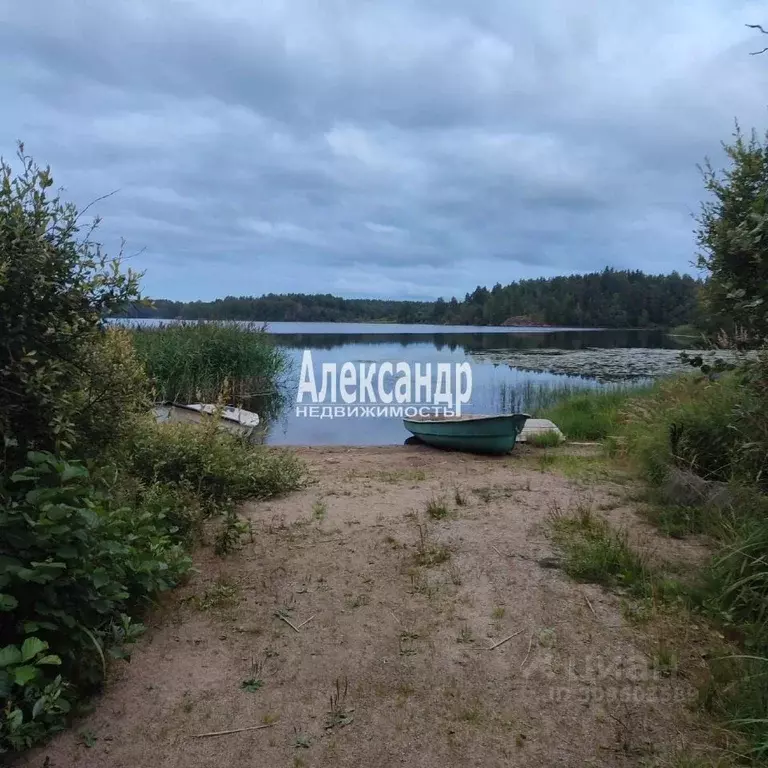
{"points": [[596, 553], [437, 508], [534, 397], [429, 553], [219, 468], [548, 439], [319, 510], [202, 362], [592, 414], [581, 468], [717, 429]]}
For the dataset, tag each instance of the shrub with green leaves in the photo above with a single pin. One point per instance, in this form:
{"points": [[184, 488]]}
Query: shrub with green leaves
{"points": [[717, 429], [733, 236], [84, 548], [33, 707], [56, 288], [112, 395], [73, 566], [217, 466]]}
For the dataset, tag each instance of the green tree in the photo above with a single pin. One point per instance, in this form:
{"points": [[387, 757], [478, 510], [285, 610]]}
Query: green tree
{"points": [[56, 288], [733, 236]]}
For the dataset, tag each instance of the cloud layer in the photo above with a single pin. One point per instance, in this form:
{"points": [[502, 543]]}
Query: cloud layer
{"points": [[407, 148]]}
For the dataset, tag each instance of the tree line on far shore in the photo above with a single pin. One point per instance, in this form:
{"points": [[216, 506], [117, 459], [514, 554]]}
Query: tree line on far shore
{"points": [[610, 299]]}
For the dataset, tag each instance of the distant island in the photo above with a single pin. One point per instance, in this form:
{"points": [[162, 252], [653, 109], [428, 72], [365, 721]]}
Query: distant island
{"points": [[607, 299]]}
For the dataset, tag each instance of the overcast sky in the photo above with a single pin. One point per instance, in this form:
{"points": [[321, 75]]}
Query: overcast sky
{"points": [[402, 148]]}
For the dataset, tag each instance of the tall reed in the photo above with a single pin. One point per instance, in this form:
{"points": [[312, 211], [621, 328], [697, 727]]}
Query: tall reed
{"points": [[202, 362]]}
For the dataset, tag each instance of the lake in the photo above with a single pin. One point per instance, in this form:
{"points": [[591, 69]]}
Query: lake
{"points": [[513, 369]]}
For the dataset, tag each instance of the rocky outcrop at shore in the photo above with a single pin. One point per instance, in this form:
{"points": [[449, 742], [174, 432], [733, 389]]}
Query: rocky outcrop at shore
{"points": [[523, 321]]}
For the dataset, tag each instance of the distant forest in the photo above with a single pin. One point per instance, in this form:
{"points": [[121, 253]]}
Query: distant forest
{"points": [[609, 299]]}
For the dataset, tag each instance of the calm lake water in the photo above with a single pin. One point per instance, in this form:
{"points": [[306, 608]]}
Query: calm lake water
{"points": [[498, 387]]}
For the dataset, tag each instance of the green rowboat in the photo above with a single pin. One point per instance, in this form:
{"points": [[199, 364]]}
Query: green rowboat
{"points": [[476, 434]]}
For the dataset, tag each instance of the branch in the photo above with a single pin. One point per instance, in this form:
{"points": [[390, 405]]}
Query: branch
{"points": [[104, 197], [764, 31]]}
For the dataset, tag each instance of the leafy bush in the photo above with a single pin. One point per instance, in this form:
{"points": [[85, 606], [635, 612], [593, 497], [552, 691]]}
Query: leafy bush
{"points": [[194, 362], [112, 394], [751, 422], [74, 565], [217, 466], [686, 421], [33, 707], [85, 547], [56, 287], [733, 235], [719, 430]]}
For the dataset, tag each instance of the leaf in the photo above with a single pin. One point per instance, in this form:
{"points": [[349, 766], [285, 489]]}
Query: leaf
{"points": [[23, 675], [31, 647], [67, 552], [88, 738], [50, 659], [39, 706], [8, 602], [252, 685], [30, 627], [100, 578], [15, 719], [9, 655], [71, 471]]}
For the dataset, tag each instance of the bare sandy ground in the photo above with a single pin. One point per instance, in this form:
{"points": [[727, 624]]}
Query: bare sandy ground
{"points": [[394, 666]]}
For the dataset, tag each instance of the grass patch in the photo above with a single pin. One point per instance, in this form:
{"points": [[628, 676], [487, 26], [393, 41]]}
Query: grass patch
{"points": [[319, 510], [455, 575], [474, 714], [737, 692], [400, 476], [585, 468], [200, 362], [217, 466], [717, 429], [429, 553], [592, 414], [596, 553], [665, 660], [548, 439], [217, 597], [437, 508]]}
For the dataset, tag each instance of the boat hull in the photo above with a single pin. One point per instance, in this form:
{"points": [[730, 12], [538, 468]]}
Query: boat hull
{"points": [[480, 434]]}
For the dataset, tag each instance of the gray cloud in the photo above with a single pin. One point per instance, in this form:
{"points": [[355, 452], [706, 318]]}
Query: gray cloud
{"points": [[407, 148]]}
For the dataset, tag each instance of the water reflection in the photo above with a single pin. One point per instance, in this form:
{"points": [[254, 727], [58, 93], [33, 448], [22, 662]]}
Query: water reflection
{"points": [[497, 387], [471, 342]]}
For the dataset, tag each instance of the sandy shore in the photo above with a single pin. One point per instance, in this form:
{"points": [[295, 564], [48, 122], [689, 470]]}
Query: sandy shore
{"points": [[364, 632]]}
